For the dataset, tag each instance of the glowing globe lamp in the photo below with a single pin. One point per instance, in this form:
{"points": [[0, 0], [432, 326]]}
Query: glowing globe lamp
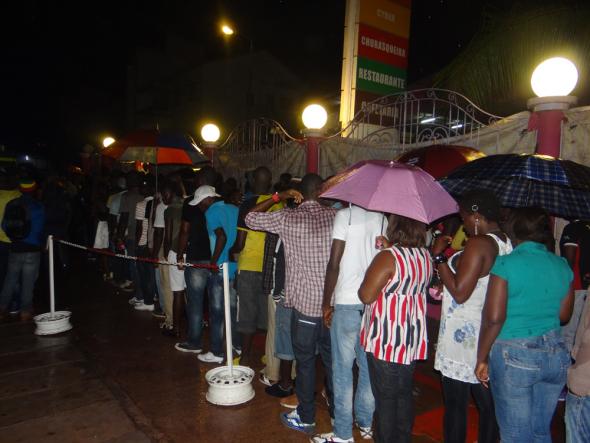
{"points": [[210, 133], [108, 141], [555, 77], [314, 117]]}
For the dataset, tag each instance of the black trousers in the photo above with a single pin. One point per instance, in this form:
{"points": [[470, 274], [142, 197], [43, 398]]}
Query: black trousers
{"points": [[392, 386], [456, 397]]}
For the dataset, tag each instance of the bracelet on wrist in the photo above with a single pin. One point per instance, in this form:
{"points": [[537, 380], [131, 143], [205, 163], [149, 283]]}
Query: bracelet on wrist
{"points": [[439, 259]]}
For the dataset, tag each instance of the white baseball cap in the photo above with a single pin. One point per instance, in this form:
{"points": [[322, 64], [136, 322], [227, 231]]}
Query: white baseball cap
{"points": [[202, 193]]}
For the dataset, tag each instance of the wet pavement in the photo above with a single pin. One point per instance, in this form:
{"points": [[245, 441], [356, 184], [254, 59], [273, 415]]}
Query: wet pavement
{"points": [[115, 378]]}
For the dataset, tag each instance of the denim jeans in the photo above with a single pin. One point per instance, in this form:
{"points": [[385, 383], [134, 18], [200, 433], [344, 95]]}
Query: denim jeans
{"points": [[216, 313], [577, 418], [346, 347], [526, 378], [23, 269], [392, 385], [197, 280], [147, 276], [310, 335]]}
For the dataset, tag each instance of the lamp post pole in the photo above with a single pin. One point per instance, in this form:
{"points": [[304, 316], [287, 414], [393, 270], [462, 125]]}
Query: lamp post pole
{"points": [[312, 150], [210, 148], [547, 118]]}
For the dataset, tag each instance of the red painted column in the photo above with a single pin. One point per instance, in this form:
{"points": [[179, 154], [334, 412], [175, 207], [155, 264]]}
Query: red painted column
{"points": [[209, 150], [548, 125], [312, 154], [546, 118]]}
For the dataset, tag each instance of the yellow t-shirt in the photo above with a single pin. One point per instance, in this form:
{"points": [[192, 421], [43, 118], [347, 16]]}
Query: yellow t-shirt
{"points": [[5, 197], [252, 256], [459, 240]]}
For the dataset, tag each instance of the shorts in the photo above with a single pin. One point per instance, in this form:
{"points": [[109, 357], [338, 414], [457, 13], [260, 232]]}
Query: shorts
{"points": [[252, 302], [101, 239], [177, 281], [283, 343]]}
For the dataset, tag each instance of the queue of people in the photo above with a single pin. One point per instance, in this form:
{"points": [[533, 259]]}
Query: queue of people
{"points": [[329, 278]]}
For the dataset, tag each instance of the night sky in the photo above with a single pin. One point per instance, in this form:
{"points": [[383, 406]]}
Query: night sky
{"points": [[64, 64]]}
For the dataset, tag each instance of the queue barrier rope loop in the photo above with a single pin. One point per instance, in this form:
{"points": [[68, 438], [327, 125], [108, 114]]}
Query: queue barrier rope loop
{"points": [[143, 259]]}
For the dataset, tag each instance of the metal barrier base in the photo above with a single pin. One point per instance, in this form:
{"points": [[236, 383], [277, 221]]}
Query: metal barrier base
{"points": [[49, 324], [229, 389]]}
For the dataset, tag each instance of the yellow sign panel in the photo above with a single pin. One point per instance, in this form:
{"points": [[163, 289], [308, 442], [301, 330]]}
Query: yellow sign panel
{"points": [[386, 15]]}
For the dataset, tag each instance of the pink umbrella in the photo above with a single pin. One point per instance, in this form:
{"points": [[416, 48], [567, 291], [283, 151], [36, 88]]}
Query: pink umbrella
{"points": [[397, 188]]}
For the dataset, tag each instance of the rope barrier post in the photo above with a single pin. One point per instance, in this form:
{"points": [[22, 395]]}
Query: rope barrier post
{"points": [[51, 277], [229, 385], [226, 304], [52, 322]]}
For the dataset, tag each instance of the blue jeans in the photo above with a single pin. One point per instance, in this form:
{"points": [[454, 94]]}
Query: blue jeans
{"points": [[346, 347], [23, 269], [309, 334], [526, 378], [216, 313], [283, 342], [577, 418], [197, 280]]}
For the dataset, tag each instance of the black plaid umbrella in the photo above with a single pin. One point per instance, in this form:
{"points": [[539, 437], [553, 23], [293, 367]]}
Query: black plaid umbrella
{"points": [[561, 187]]}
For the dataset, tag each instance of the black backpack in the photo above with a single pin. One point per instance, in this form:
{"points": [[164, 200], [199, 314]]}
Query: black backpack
{"points": [[17, 220]]}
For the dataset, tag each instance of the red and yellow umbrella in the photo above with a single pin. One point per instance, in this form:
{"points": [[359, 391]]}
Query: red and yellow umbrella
{"points": [[151, 146]]}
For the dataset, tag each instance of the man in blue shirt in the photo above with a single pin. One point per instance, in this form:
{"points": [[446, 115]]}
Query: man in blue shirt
{"points": [[222, 227], [23, 222]]}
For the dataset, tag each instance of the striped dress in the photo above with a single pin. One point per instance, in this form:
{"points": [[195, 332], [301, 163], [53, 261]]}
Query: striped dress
{"points": [[394, 326]]}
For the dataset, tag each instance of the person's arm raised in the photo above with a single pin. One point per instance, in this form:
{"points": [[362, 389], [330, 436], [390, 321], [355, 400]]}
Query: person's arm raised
{"points": [[476, 261], [381, 270]]}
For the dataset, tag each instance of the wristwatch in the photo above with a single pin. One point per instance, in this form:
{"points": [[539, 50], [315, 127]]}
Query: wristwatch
{"points": [[439, 258]]}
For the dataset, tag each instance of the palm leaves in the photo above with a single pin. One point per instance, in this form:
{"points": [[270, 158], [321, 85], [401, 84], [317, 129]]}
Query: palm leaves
{"points": [[495, 68]]}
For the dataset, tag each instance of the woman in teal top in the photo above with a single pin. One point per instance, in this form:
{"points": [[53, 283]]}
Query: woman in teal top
{"points": [[529, 294]]}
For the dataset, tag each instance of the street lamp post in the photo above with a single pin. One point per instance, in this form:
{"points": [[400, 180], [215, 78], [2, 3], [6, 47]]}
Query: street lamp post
{"points": [[552, 81], [314, 119], [210, 134]]}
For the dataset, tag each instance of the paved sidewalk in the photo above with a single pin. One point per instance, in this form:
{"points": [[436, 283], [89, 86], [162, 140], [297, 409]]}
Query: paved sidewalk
{"points": [[51, 392]]}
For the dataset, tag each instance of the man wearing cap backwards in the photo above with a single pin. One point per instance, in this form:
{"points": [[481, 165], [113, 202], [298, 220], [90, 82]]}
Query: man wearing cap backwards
{"points": [[25, 251], [194, 241]]}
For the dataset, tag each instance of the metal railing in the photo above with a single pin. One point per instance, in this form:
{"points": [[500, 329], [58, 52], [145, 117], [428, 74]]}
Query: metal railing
{"points": [[256, 142], [401, 121], [418, 117]]}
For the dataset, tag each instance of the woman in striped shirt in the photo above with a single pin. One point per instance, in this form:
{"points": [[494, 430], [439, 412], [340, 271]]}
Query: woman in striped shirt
{"points": [[393, 331]]}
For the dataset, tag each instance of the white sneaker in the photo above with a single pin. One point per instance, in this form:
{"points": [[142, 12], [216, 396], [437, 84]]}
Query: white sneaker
{"points": [[329, 438], [141, 306], [210, 357], [134, 301]]}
